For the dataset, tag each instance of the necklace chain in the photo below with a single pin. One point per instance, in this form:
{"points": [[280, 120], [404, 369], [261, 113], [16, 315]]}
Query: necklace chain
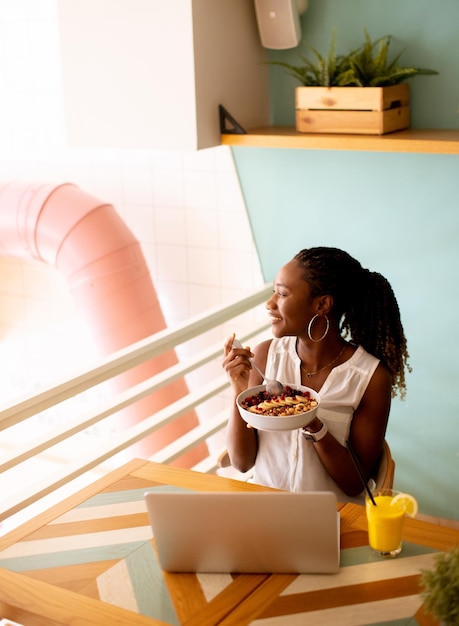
{"points": [[309, 374]]}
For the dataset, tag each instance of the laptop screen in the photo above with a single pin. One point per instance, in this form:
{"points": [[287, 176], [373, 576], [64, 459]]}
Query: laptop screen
{"points": [[251, 532]]}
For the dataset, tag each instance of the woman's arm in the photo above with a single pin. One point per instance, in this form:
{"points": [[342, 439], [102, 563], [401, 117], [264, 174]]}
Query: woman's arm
{"points": [[241, 440], [368, 429]]}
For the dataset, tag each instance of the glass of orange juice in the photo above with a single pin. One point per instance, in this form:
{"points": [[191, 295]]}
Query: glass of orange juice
{"points": [[385, 520]]}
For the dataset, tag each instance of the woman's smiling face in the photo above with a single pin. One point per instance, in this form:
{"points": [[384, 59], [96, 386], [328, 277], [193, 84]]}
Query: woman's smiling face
{"points": [[290, 306]]}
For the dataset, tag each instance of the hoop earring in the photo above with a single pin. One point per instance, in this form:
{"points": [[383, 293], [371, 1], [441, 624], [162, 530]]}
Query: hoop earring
{"points": [[326, 328]]}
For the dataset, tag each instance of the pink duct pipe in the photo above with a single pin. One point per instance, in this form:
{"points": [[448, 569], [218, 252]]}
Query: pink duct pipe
{"points": [[102, 261]]}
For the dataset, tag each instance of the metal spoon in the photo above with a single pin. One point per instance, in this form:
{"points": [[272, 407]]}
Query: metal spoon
{"points": [[273, 387]]}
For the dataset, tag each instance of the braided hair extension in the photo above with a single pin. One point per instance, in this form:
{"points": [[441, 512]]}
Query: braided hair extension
{"points": [[364, 304]]}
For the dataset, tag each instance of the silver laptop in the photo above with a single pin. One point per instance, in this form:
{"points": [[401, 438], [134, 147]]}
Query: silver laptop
{"points": [[251, 532]]}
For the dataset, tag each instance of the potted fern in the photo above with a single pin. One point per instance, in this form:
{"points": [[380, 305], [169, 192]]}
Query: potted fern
{"points": [[441, 587], [360, 92]]}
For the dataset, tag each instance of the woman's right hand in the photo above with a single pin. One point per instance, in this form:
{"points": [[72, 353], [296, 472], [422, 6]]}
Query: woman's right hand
{"points": [[237, 365], [242, 442]]}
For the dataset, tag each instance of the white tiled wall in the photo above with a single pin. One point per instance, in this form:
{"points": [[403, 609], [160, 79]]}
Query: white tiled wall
{"points": [[186, 209]]}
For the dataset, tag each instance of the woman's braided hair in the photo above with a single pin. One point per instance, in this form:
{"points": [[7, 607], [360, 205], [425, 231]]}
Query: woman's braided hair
{"points": [[364, 304]]}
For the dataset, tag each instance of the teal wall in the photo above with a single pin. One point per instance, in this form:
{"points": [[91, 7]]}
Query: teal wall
{"points": [[397, 213], [426, 34]]}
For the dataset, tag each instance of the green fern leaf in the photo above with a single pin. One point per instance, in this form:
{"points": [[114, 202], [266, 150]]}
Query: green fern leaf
{"points": [[366, 66]]}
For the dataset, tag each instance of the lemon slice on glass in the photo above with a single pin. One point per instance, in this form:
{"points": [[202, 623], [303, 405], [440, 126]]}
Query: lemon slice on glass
{"points": [[409, 501]]}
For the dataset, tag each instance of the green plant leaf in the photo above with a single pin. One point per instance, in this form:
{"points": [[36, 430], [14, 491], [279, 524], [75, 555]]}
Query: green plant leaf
{"points": [[366, 66], [441, 587]]}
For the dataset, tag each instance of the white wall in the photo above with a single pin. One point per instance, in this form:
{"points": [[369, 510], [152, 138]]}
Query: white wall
{"points": [[186, 209]]}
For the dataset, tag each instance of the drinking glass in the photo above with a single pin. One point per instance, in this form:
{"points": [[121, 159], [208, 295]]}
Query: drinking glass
{"points": [[385, 522]]}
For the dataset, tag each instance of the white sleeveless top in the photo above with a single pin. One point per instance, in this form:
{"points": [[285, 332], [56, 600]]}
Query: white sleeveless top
{"points": [[285, 459]]}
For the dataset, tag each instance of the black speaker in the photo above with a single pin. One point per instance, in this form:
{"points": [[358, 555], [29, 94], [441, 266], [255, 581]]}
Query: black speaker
{"points": [[279, 22]]}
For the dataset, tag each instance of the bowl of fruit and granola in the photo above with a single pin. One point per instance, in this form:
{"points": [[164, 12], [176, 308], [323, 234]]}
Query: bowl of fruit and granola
{"points": [[294, 408]]}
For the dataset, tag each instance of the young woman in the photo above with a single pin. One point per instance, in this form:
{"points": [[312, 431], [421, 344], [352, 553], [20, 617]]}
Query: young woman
{"points": [[336, 329]]}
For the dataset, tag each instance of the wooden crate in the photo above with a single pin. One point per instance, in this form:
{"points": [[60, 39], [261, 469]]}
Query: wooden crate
{"points": [[353, 110]]}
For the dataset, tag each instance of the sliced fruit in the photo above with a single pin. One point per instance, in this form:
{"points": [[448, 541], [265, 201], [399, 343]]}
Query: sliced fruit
{"points": [[409, 501]]}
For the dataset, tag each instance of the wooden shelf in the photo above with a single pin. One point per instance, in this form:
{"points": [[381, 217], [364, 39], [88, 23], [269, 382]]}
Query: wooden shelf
{"points": [[420, 141]]}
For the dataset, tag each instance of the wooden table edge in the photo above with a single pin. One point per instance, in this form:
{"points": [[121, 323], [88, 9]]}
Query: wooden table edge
{"points": [[69, 502], [23, 598]]}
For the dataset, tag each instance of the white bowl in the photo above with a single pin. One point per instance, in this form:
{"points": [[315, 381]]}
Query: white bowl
{"points": [[270, 422]]}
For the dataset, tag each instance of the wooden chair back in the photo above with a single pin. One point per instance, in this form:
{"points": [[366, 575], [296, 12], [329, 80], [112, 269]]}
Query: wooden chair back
{"points": [[384, 478]]}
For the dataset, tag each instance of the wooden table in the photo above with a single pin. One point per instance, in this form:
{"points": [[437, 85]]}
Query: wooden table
{"points": [[90, 561]]}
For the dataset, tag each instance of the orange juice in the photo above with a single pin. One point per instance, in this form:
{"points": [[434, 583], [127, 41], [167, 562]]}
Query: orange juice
{"points": [[385, 523]]}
